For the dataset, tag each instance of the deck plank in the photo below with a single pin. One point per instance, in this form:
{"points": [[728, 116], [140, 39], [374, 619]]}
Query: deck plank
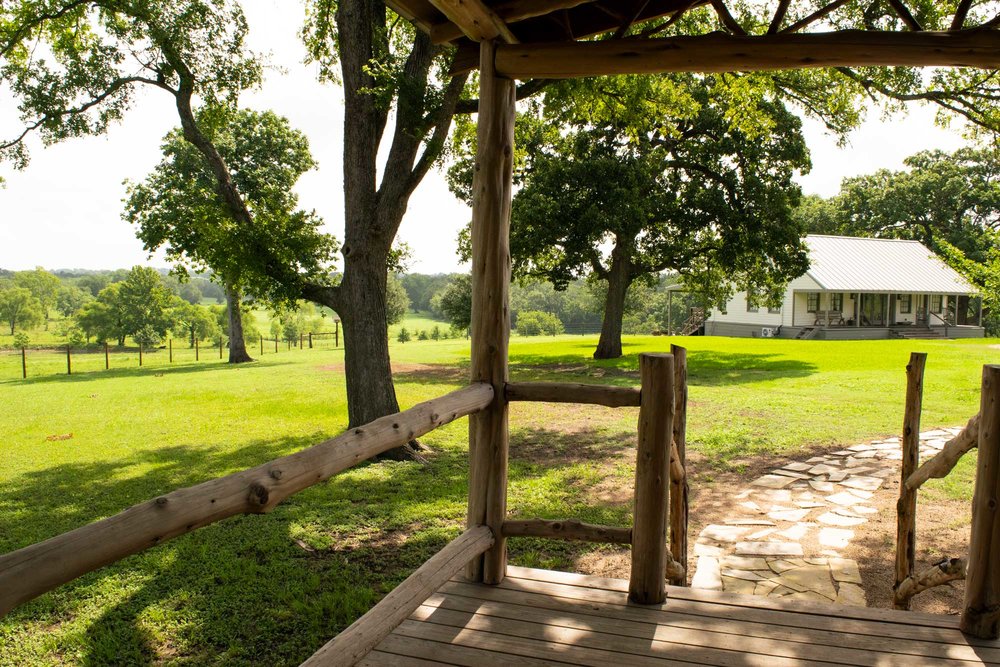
{"points": [[538, 617]]}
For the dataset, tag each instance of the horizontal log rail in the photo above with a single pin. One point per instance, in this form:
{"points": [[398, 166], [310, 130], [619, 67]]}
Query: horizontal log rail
{"points": [[937, 574], [33, 570], [941, 463], [572, 392], [365, 633], [720, 52], [567, 529]]}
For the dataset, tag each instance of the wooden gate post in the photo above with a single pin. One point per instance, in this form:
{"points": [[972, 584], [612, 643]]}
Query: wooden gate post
{"points": [[982, 585], [678, 482], [488, 433], [906, 506], [647, 583]]}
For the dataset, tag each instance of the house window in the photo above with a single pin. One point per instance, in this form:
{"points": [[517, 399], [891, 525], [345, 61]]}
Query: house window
{"points": [[751, 302], [773, 310], [906, 303], [937, 302], [837, 302], [812, 302]]}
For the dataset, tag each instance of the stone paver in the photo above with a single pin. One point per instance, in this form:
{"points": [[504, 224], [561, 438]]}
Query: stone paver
{"points": [[814, 502]]}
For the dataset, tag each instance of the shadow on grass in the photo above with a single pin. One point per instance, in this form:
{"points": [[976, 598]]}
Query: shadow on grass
{"points": [[267, 589], [705, 367]]}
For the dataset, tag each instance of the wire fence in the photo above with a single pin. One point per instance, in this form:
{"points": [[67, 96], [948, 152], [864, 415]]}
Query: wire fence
{"points": [[27, 363]]}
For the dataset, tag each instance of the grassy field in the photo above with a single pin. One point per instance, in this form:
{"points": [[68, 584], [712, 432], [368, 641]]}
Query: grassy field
{"points": [[270, 589]]}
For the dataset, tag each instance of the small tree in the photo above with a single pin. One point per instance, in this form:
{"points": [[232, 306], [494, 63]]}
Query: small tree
{"points": [[436, 333], [455, 302], [403, 336], [19, 308], [537, 323], [21, 339], [397, 302], [43, 286]]}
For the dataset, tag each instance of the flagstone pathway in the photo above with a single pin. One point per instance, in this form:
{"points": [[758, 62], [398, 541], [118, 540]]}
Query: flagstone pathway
{"points": [[786, 532]]}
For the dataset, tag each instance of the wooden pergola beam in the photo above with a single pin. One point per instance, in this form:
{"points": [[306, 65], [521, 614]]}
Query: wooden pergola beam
{"points": [[508, 12], [718, 52], [476, 21]]}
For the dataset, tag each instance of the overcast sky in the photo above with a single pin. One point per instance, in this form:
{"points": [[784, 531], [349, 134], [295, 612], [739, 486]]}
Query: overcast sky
{"points": [[64, 210]]}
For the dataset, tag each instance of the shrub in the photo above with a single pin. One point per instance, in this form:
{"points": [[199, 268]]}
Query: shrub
{"points": [[436, 333], [423, 335], [403, 335], [21, 339], [537, 323]]}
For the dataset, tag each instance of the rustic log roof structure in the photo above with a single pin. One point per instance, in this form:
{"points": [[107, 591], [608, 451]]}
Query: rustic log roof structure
{"points": [[536, 617]]}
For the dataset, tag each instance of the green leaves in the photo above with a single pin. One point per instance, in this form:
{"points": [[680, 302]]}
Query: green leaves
{"points": [[179, 206], [74, 66]]}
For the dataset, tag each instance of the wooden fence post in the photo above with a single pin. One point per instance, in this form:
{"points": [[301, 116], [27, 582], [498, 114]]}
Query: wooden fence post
{"points": [[262, 345], [197, 355], [69, 366], [140, 355], [170, 350], [301, 336], [679, 484], [310, 340], [275, 344], [647, 582], [336, 333], [982, 585], [906, 506], [488, 429], [220, 347], [24, 364], [107, 357]]}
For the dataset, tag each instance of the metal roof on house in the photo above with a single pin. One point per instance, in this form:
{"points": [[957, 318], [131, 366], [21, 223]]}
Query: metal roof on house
{"points": [[849, 264]]}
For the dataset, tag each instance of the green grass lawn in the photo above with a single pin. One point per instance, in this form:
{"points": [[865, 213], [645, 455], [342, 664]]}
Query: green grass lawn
{"points": [[262, 590]]}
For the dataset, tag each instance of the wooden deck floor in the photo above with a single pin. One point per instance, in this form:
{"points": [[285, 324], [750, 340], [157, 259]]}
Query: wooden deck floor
{"points": [[541, 617]]}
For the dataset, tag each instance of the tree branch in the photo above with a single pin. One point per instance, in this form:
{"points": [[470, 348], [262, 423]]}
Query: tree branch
{"points": [[115, 86], [779, 16], [37, 21], [522, 92], [727, 18]]}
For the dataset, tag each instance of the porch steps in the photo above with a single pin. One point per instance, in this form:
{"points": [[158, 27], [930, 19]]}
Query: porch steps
{"points": [[919, 334], [807, 333]]}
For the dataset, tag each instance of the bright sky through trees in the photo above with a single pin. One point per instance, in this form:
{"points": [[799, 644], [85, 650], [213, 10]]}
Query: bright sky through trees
{"points": [[64, 210]]}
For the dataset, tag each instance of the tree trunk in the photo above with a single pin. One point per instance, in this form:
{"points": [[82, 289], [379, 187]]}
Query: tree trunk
{"points": [[237, 345], [610, 344], [370, 390]]}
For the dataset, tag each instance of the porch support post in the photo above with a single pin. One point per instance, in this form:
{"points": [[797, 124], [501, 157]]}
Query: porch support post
{"points": [[488, 431]]}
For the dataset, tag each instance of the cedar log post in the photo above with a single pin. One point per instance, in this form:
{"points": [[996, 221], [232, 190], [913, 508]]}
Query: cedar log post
{"points": [[488, 435], [647, 584], [906, 506], [678, 476], [982, 586]]}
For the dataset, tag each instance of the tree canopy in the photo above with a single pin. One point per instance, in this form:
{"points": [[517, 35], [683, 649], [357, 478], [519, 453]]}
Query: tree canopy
{"points": [[624, 178], [179, 208]]}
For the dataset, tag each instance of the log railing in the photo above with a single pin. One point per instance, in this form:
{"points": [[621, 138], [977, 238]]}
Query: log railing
{"points": [[981, 613], [661, 495], [362, 636], [33, 570]]}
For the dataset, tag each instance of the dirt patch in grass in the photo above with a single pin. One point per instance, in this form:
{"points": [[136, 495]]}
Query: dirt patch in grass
{"points": [[942, 532], [411, 372]]}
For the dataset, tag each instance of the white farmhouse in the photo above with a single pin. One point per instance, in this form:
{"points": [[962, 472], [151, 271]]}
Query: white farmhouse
{"points": [[861, 288]]}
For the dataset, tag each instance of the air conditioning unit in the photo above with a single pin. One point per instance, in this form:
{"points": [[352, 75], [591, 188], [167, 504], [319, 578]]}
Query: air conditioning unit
{"points": [[767, 332]]}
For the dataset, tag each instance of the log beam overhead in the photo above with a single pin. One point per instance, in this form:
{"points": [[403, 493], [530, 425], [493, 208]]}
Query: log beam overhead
{"points": [[719, 52], [476, 21]]}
